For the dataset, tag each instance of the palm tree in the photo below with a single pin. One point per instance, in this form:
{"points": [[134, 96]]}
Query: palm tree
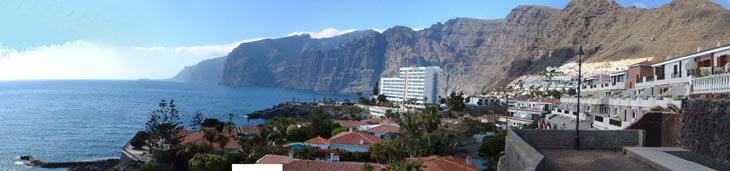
{"points": [[406, 166], [673, 108], [670, 108], [411, 129]]}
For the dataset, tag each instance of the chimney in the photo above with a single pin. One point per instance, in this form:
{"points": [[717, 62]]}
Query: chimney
{"points": [[719, 43], [362, 140], [291, 155], [670, 56], [468, 159], [699, 49]]}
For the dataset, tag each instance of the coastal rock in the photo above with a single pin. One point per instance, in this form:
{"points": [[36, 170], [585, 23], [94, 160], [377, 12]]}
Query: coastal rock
{"points": [[206, 72], [27, 158]]}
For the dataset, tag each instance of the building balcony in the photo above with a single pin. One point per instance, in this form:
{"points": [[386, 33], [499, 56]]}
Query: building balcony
{"points": [[605, 86], [650, 82], [605, 123], [585, 100], [719, 83], [646, 102]]}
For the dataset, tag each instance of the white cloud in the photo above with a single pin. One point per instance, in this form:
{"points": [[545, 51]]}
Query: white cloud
{"points": [[84, 59], [640, 5], [326, 33], [92, 60], [202, 50], [378, 30]]}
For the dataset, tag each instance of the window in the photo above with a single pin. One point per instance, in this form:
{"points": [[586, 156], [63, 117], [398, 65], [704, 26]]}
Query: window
{"points": [[634, 115]]}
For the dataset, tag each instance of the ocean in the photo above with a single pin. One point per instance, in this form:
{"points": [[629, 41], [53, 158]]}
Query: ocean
{"points": [[84, 120]]}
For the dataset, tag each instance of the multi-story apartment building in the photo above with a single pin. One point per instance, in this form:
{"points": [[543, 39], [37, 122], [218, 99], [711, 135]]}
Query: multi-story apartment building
{"points": [[416, 85], [531, 108], [623, 98]]}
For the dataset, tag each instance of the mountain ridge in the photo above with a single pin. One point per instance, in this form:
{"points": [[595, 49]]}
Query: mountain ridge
{"points": [[478, 54]]}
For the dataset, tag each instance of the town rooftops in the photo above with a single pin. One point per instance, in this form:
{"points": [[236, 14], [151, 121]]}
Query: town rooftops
{"points": [[318, 140], [198, 138], [274, 159], [308, 165], [354, 138], [445, 163], [247, 129], [384, 129]]}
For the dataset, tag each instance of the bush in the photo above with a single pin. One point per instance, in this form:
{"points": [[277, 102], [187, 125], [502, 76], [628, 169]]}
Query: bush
{"points": [[139, 139], [211, 122], [492, 146], [205, 161], [337, 131]]}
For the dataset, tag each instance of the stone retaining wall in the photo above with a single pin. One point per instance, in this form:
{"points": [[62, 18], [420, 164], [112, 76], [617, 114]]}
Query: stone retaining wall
{"points": [[706, 128], [519, 155]]}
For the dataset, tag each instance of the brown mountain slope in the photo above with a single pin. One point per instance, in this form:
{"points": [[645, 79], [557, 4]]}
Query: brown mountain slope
{"points": [[477, 54]]}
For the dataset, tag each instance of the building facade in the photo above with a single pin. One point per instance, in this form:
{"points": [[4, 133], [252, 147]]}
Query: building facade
{"points": [[627, 95], [416, 85]]}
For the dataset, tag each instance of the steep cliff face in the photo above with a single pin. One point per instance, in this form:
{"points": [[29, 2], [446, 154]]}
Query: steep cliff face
{"points": [[477, 54], [345, 63], [206, 72]]}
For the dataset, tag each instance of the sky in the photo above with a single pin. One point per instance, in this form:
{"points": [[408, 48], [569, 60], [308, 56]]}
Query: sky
{"points": [[132, 39]]}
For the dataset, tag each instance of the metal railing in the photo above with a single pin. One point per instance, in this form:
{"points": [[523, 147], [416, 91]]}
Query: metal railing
{"points": [[711, 84], [614, 122]]}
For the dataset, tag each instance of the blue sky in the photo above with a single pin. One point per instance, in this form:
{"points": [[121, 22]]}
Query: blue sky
{"points": [[168, 35]]}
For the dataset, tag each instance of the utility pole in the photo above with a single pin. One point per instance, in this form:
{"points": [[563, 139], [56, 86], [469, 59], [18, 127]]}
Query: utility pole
{"points": [[577, 116]]}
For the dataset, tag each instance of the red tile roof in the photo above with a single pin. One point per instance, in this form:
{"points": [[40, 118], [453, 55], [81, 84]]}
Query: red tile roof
{"points": [[309, 165], [350, 124], [445, 163], [274, 159], [353, 138], [385, 129], [247, 129], [318, 140], [198, 138]]}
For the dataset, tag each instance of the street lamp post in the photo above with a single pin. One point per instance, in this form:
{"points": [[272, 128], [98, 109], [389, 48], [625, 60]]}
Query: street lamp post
{"points": [[577, 116]]}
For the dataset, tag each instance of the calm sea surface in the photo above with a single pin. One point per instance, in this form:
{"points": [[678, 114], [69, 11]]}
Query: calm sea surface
{"points": [[79, 120]]}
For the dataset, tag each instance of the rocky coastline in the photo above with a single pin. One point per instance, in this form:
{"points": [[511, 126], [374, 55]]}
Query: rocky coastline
{"points": [[106, 164]]}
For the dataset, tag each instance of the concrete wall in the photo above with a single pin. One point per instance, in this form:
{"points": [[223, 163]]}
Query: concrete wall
{"points": [[519, 155], [589, 139], [521, 145], [349, 148], [661, 128], [706, 128]]}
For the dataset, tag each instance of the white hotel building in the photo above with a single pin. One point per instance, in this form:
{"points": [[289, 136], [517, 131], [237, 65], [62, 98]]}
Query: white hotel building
{"points": [[414, 83]]}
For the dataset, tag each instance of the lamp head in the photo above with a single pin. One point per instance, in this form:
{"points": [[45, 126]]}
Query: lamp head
{"points": [[580, 50]]}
